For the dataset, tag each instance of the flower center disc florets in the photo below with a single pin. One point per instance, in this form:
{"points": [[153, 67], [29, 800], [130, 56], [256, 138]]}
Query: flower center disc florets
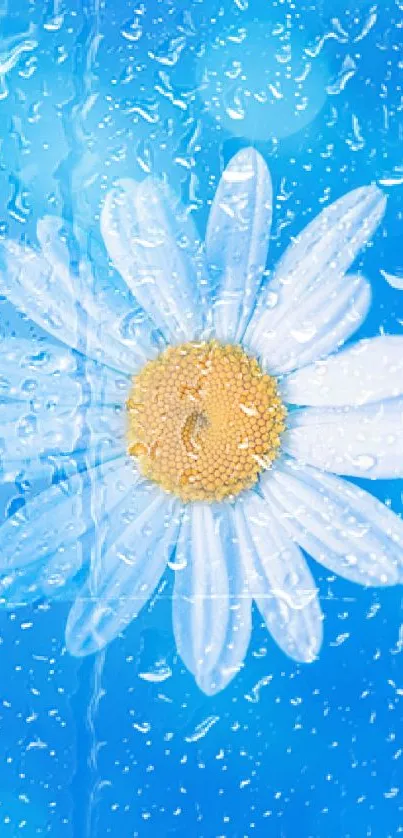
{"points": [[204, 420]]}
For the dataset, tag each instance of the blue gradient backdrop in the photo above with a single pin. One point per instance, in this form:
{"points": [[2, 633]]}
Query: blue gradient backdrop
{"points": [[125, 745]]}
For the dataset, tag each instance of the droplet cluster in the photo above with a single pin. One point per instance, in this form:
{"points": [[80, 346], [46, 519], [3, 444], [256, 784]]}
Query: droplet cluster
{"points": [[204, 420]]}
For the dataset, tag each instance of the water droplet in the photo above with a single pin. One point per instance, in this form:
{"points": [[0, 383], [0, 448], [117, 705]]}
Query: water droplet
{"points": [[202, 729], [348, 69], [39, 360], [29, 385], [364, 462], [272, 299], [393, 280], [254, 695], [179, 564], [156, 676], [132, 30], [27, 426], [304, 334], [5, 384]]}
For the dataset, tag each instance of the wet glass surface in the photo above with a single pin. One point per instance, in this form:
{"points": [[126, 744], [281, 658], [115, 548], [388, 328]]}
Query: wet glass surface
{"points": [[124, 742]]}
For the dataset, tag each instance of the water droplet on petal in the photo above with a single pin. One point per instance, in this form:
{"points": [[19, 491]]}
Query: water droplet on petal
{"points": [[305, 334], [364, 462], [27, 426]]}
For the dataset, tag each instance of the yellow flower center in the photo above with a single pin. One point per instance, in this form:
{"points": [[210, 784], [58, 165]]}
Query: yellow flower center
{"points": [[204, 420]]}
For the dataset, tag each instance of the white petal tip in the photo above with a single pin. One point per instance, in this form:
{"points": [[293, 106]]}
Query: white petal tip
{"points": [[124, 185], [311, 653], [248, 154], [213, 682], [207, 687], [374, 199], [244, 166], [81, 646]]}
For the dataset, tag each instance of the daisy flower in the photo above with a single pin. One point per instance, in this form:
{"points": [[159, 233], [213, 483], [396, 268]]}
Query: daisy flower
{"points": [[198, 417]]}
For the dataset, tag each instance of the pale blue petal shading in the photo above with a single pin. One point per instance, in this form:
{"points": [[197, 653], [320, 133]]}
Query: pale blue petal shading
{"points": [[54, 403], [127, 571], [50, 578], [343, 527], [211, 602], [48, 374], [319, 325], [358, 441], [53, 234], [369, 371], [279, 579], [29, 432], [237, 241], [113, 315], [201, 594], [311, 272], [64, 308], [63, 513], [153, 245]]}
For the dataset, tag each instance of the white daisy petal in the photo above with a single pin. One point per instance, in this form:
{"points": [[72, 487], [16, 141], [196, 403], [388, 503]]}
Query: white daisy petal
{"points": [[29, 282], [40, 370], [322, 323], [360, 442], [311, 270], [239, 627], [343, 527], [55, 403], [201, 593], [279, 580], [20, 587], [52, 234], [368, 371], [112, 319], [63, 513], [128, 571], [64, 309], [237, 240], [50, 578], [155, 250], [211, 605], [54, 578], [27, 434], [53, 376]]}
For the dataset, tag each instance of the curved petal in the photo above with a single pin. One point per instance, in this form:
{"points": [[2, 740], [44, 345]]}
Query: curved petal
{"points": [[237, 240], [54, 403], [211, 605], [344, 528], [29, 433], [322, 322], [279, 580], [30, 283], [239, 628], [111, 317], [201, 594], [127, 572], [53, 235], [51, 578], [369, 371], [54, 376], [154, 249], [61, 514], [312, 269], [65, 310], [360, 442]]}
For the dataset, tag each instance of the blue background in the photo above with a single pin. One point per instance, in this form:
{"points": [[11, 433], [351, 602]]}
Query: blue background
{"points": [[125, 744]]}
